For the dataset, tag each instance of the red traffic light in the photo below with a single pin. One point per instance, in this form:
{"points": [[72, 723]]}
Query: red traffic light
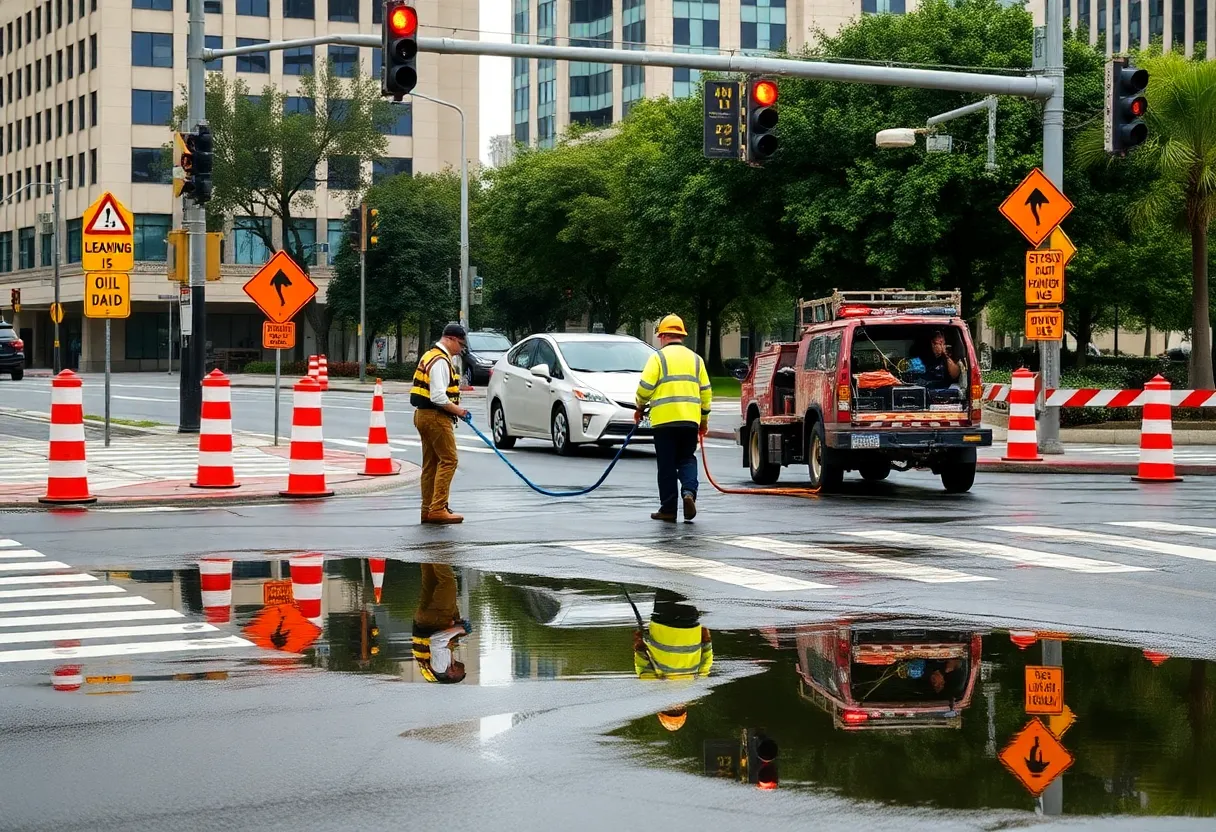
{"points": [[764, 93], [403, 21], [1138, 107]]}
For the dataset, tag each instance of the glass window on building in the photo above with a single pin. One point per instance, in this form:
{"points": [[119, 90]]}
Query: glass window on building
{"points": [[1133, 24], [25, 248], [209, 6], [343, 174], [258, 62], [1179, 37], [1083, 15], [152, 237], [633, 33], [1156, 18], [6, 251], [762, 24], [154, 5], [391, 166], [591, 25], [1201, 25], [253, 8], [298, 61], [306, 229], [299, 105], [214, 42], [151, 49], [344, 11], [403, 125], [304, 9], [147, 336], [345, 60], [247, 241], [47, 246], [1117, 24], [335, 233], [149, 165]]}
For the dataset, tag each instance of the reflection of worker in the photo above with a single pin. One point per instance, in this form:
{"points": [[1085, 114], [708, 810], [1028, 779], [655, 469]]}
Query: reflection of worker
{"points": [[941, 370], [437, 626], [945, 677], [436, 400], [676, 646]]}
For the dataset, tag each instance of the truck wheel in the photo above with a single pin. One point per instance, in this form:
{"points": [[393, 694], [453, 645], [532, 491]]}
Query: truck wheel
{"points": [[875, 469], [763, 472], [826, 474], [958, 476]]}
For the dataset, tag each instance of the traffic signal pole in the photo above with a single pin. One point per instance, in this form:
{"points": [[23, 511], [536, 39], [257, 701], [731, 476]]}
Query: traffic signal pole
{"points": [[194, 219], [1053, 167]]}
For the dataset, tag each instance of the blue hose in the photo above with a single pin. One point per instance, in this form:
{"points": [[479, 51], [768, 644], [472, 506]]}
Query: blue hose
{"points": [[468, 420]]}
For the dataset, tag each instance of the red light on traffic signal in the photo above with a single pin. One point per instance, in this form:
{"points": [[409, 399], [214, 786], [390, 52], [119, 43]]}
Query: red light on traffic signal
{"points": [[1139, 107], [765, 93], [403, 21]]}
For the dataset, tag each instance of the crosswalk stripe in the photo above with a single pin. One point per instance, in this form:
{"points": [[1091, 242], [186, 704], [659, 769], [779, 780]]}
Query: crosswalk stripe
{"points": [[39, 566], [701, 567], [1000, 551], [6, 543], [20, 553], [107, 632], [852, 560], [21, 580], [121, 649], [1133, 543], [76, 604], [1159, 526], [86, 618], [103, 589]]}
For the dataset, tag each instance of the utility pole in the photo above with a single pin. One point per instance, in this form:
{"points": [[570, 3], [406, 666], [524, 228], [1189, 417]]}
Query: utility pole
{"points": [[1053, 167], [194, 346], [57, 356], [363, 235]]}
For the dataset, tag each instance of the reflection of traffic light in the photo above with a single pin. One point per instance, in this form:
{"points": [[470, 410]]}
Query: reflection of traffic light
{"points": [[399, 42], [1125, 106], [760, 752], [369, 636], [761, 119]]}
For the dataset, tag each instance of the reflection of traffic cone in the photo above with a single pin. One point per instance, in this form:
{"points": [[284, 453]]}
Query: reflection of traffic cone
{"points": [[1156, 657], [67, 677], [323, 372], [215, 578], [314, 368], [1156, 434], [215, 434], [378, 461], [377, 565], [1023, 638], [306, 575], [306, 468], [1022, 432], [67, 478]]}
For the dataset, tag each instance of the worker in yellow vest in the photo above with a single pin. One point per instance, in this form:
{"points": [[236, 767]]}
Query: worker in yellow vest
{"points": [[675, 388], [435, 396], [438, 627], [676, 646]]}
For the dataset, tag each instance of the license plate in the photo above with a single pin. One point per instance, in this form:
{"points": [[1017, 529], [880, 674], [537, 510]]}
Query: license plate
{"points": [[863, 440], [645, 423]]}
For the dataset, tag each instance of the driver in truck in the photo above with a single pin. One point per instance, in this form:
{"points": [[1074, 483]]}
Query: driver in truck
{"points": [[941, 370]]}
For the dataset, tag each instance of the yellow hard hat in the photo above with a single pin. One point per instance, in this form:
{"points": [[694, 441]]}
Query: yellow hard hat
{"points": [[672, 325], [673, 720]]}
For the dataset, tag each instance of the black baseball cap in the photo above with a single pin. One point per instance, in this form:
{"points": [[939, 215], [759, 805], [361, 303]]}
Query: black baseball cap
{"points": [[455, 330]]}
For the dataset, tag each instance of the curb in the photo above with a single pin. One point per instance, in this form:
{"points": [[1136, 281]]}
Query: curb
{"points": [[121, 430], [720, 434], [1126, 469]]}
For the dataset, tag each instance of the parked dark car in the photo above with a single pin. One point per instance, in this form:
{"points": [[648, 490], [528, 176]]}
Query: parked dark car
{"points": [[12, 352], [485, 348]]}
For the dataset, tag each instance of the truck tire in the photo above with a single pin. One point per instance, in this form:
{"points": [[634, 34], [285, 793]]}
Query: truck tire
{"points": [[763, 472], [874, 470], [958, 476], [826, 473]]}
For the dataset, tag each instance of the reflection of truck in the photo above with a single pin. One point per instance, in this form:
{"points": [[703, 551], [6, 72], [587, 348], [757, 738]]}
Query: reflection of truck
{"points": [[888, 678], [879, 380]]}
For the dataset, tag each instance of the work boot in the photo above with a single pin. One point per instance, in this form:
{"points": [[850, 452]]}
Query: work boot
{"points": [[666, 518], [445, 518], [690, 506]]}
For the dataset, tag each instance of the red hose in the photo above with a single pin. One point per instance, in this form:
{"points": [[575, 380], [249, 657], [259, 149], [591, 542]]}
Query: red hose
{"points": [[777, 492]]}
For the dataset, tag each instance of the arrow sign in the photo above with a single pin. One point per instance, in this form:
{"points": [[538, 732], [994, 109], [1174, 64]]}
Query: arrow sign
{"points": [[280, 288], [1036, 207]]}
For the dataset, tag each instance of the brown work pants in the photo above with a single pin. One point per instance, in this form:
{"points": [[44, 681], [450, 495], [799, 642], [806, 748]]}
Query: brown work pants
{"points": [[438, 434], [437, 607]]}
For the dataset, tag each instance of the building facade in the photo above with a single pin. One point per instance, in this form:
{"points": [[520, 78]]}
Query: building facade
{"points": [[87, 89], [1186, 26], [548, 96]]}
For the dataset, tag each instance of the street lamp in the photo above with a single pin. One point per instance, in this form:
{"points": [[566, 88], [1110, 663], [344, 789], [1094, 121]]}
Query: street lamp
{"points": [[55, 186], [906, 136]]}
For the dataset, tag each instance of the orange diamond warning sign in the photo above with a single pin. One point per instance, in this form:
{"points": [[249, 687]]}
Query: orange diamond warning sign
{"points": [[1036, 207], [1035, 757], [280, 288]]}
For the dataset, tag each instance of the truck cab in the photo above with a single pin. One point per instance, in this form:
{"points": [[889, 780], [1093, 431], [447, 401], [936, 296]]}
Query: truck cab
{"points": [[879, 381]]}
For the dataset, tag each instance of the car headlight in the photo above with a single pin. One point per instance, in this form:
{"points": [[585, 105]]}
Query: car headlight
{"points": [[587, 395]]}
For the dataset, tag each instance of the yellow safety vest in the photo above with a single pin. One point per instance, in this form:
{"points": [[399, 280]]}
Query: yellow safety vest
{"points": [[676, 387], [420, 393], [674, 653]]}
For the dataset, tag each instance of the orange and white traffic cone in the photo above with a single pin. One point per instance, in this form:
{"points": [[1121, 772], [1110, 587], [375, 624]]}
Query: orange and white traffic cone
{"points": [[67, 478], [377, 565], [1023, 438], [307, 575], [1156, 435], [314, 368], [306, 467], [323, 372], [67, 677], [378, 460], [215, 435], [1156, 657], [215, 579]]}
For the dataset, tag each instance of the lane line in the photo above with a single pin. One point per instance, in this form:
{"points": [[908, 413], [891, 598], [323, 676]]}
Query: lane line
{"points": [[87, 618], [107, 632], [77, 604], [123, 649], [999, 551], [103, 589], [74, 577], [39, 566], [852, 560], [1159, 526], [1134, 543], [709, 569]]}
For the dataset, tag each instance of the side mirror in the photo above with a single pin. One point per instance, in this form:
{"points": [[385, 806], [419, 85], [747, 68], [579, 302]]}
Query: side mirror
{"points": [[541, 371], [740, 373]]}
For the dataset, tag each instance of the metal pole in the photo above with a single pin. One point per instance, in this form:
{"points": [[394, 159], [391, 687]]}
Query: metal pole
{"points": [[1052, 799], [194, 357], [278, 371], [991, 165], [363, 304], [57, 359], [170, 337], [107, 382], [1053, 167]]}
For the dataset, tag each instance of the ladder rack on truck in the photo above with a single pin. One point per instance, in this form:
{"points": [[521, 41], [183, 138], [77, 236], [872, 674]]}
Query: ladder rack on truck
{"points": [[879, 302]]}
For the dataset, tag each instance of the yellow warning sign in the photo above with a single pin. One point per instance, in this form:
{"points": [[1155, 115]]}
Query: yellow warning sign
{"points": [[1044, 324], [1061, 242], [1044, 690], [108, 241], [1045, 277], [1035, 757], [1059, 723], [1036, 207], [107, 295]]}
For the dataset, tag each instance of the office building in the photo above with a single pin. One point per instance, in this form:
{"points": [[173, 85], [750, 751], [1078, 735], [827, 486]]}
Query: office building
{"points": [[1186, 26]]}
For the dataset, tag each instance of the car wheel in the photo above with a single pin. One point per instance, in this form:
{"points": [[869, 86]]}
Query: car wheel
{"points": [[826, 474], [874, 470], [958, 477], [498, 427], [561, 433], [19, 374], [763, 472]]}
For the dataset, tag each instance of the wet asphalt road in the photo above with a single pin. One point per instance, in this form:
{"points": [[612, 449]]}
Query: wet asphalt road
{"points": [[308, 749]]}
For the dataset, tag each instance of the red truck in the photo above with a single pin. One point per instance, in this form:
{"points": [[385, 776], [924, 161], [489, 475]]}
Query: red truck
{"points": [[879, 380]]}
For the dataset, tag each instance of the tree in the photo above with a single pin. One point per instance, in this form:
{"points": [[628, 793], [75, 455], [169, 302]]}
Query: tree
{"points": [[1178, 163], [268, 148]]}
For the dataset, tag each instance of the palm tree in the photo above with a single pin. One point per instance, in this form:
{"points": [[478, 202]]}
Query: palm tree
{"points": [[1179, 163]]}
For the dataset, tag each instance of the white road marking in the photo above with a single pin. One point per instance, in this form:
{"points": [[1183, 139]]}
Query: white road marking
{"points": [[77, 604], [1000, 551], [1159, 526], [123, 649], [47, 579], [6, 543], [40, 566], [852, 560], [1133, 543], [709, 569], [86, 618], [106, 632], [42, 592], [20, 553]]}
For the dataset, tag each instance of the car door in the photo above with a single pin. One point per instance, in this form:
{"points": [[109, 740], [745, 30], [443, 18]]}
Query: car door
{"points": [[543, 392], [516, 384]]}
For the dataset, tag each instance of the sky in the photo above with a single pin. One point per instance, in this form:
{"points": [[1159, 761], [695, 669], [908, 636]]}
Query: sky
{"points": [[495, 75]]}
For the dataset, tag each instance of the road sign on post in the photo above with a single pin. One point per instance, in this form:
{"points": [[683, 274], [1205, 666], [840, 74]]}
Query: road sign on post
{"points": [[107, 295], [280, 288], [1036, 207], [57, 312], [722, 120], [278, 336], [1044, 324], [109, 236], [1035, 757], [1044, 690], [1044, 277]]}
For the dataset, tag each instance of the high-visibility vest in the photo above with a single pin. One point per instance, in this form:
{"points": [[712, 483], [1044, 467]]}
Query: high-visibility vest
{"points": [[676, 386], [420, 393], [421, 648], [674, 653]]}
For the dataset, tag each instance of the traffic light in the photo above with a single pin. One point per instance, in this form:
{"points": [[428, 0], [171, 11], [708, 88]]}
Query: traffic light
{"points": [[399, 43], [197, 163], [373, 226], [760, 753], [761, 120], [15, 296], [1125, 106], [354, 226]]}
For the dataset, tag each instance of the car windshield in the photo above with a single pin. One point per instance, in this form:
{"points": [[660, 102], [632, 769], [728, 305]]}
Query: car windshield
{"points": [[606, 356], [488, 342]]}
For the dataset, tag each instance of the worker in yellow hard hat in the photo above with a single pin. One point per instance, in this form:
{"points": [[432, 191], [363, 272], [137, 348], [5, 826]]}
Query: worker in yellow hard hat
{"points": [[675, 388]]}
